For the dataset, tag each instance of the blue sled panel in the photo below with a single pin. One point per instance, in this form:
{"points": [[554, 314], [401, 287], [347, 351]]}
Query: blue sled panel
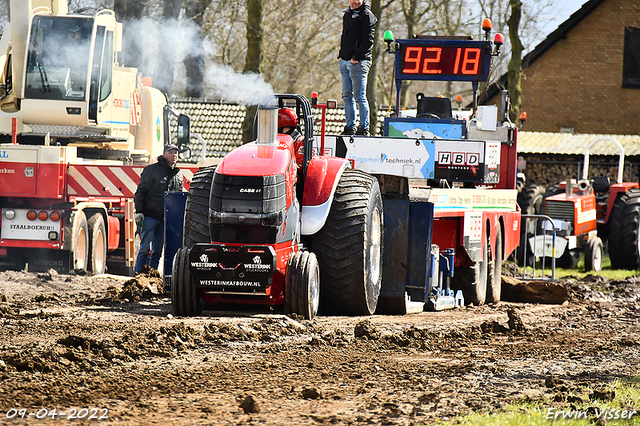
{"points": [[174, 203]]}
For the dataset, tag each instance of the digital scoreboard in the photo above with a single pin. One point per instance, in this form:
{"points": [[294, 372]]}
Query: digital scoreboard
{"points": [[450, 60]]}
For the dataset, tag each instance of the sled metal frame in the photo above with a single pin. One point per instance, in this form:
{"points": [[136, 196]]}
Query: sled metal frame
{"points": [[532, 273]]}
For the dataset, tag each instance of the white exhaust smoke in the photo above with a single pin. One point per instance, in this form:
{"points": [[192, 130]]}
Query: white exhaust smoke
{"points": [[163, 45]]}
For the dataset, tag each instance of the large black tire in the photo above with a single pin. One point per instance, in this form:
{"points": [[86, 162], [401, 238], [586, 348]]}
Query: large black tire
{"points": [[494, 271], [185, 300], [472, 280], [624, 231], [593, 254], [98, 246], [80, 246], [530, 198], [302, 285], [349, 247], [196, 211]]}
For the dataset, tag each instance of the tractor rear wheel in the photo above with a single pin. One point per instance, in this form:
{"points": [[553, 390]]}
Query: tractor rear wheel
{"points": [[593, 254], [185, 300], [349, 247], [302, 285], [624, 231], [494, 272], [98, 246], [530, 198], [472, 280], [196, 210]]}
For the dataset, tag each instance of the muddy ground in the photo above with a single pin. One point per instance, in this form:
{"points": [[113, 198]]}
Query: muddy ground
{"points": [[109, 345]]}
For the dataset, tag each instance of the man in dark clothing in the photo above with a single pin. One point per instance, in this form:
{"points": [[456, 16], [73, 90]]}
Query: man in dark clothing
{"points": [[356, 42], [156, 179]]}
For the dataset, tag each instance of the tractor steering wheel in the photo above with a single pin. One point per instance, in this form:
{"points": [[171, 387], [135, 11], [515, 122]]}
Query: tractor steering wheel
{"points": [[428, 115]]}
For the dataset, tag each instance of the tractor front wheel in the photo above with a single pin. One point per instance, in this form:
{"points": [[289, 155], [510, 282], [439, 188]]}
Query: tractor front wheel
{"points": [[302, 285], [185, 300], [593, 254]]}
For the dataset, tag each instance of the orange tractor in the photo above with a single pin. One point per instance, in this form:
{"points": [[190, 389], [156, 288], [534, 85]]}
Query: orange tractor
{"points": [[586, 213]]}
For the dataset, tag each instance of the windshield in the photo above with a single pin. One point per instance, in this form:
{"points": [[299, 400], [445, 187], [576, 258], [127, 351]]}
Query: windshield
{"points": [[58, 61]]}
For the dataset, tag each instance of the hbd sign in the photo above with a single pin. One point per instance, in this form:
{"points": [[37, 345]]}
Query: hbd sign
{"points": [[458, 158]]}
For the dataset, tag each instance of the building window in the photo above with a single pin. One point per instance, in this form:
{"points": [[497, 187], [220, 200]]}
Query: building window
{"points": [[631, 64]]}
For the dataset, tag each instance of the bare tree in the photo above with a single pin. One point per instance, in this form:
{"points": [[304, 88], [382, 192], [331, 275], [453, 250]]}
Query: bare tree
{"points": [[194, 62], [515, 65], [253, 60], [378, 8], [126, 11]]}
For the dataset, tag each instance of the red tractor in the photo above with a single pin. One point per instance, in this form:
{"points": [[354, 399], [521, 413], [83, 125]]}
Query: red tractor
{"points": [[586, 213], [263, 228]]}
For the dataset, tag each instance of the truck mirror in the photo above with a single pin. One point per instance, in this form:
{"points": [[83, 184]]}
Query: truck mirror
{"points": [[183, 130]]}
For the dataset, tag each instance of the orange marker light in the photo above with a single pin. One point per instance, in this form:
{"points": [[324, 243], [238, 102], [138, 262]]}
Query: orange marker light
{"points": [[523, 116], [459, 99], [487, 25]]}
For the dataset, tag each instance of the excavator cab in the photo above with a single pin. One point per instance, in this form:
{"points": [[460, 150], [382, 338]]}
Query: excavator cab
{"points": [[58, 58], [69, 72]]}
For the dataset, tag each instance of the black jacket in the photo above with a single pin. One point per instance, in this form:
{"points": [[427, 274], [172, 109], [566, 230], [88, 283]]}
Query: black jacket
{"points": [[155, 180], [358, 29]]}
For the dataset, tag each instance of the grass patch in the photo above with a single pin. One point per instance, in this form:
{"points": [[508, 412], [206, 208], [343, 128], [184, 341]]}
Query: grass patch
{"points": [[620, 398], [607, 271], [579, 272]]}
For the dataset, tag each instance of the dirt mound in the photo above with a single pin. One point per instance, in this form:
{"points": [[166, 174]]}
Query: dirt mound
{"points": [[144, 286]]}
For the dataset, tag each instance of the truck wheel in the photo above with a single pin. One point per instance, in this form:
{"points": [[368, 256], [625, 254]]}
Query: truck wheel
{"points": [[98, 246], [80, 247], [494, 271], [624, 231], [185, 300], [349, 247], [302, 285], [196, 210], [472, 280], [593, 254]]}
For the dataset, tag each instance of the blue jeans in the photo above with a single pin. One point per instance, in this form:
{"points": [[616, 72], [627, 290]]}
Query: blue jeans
{"points": [[354, 90], [152, 240]]}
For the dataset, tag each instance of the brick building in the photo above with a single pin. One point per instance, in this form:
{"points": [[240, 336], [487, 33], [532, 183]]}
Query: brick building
{"points": [[585, 76]]}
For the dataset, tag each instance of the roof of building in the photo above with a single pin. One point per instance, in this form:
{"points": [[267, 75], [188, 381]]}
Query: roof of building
{"points": [[569, 143]]}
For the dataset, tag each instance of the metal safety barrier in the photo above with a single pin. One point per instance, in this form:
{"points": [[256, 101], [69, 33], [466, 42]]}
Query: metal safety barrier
{"points": [[538, 242]]}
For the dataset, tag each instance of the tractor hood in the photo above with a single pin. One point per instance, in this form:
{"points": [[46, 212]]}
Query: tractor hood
{"points": [[256, 159]]}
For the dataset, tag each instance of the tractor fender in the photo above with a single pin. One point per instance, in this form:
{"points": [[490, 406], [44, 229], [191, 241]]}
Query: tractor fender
{"points": [[323, 174]]}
